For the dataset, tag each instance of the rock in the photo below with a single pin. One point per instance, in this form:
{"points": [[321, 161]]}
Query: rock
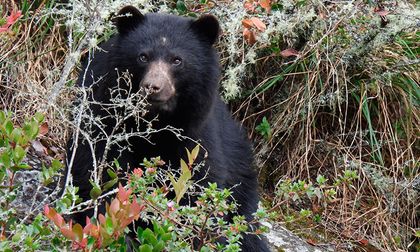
{"points": [[281, 239]]}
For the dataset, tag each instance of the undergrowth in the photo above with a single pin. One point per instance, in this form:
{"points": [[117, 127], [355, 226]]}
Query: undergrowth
{"points": [[329, 90]]}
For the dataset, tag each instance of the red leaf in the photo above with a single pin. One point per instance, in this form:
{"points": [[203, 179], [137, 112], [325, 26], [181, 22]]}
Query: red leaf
{"points": [[249, 36], [381, 12], [249, 6], [101, 219], [51, 214], [135, 209], [10, 20], [123, 194], [265, 4], [43, 130], [289, 52], [115, 206], [311, 241], [68, 231], [247, 23], [138, 172], [364, 242], [80, 245], [13, 17], [46, 210], [258, 23]]}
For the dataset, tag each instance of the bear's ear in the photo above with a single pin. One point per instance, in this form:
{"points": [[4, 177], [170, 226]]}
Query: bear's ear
{"points": [[127, 19], [207, 26]]}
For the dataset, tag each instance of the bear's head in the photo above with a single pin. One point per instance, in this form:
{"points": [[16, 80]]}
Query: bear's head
{"points": [[170, 57]]}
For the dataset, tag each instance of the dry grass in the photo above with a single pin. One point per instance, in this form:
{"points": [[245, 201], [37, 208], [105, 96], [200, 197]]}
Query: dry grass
{"points": [[31, 60], [329, 114]]}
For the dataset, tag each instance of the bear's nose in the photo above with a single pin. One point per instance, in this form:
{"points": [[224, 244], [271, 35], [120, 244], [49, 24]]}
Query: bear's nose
{"points": [[158, 82], [153, 87]]}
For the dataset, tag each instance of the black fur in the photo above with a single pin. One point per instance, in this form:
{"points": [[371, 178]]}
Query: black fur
{"points": [[197, 109]]}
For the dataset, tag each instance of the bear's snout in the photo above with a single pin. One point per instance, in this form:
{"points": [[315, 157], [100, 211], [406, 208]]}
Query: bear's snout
{"points": [[158, 82]]}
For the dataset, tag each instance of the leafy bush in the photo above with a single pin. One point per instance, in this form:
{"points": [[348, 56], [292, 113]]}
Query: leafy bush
{"points": [[173, 226], [15, 233]]}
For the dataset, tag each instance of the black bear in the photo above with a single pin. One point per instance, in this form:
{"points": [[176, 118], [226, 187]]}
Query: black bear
{"points": [[173, 59]]}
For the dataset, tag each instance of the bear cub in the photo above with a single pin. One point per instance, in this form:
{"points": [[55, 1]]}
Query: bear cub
{"points": [[172, 59]]}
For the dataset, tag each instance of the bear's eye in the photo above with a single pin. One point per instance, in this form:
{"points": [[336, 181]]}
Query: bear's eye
{"points": [[143, 58], [177, 61]]}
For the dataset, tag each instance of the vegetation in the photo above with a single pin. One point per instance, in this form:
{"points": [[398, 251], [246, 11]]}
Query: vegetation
{"points": [[328, 90]]}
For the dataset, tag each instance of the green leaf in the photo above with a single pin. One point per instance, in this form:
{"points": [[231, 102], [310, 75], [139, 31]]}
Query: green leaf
{"points": [[264, 128], [139, 233], [96, 191], [17, 237], [34, 130], [9, 127], [149, 236], [16, 135], [117, 164], [321, 180], [18, 154], [39, 117], [56, 165], [5, 159], [159, 246], [179, 188], [192, 156], [194, 152], [111, 173], [184, 167], [180, 6], [23, 166], [110, 184], [109, 226], [166, 237], [78, 231], [145, 248], [2, 117]]}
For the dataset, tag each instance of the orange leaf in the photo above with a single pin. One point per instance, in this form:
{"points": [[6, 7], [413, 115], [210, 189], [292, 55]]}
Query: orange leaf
{"points": [[68, 232], [123, 194], [114, 207], [58, 220], [13, 17], [10, 20], [43, 130], [101, 219], [48, 212], [311, 241], [249, 36], [289, 52], [135, 209], [80, 245], [258, 23], [138, 172], [51, 214], [364, 242], [382, 13], [249, 6], [247, 23], [265, 4]]}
